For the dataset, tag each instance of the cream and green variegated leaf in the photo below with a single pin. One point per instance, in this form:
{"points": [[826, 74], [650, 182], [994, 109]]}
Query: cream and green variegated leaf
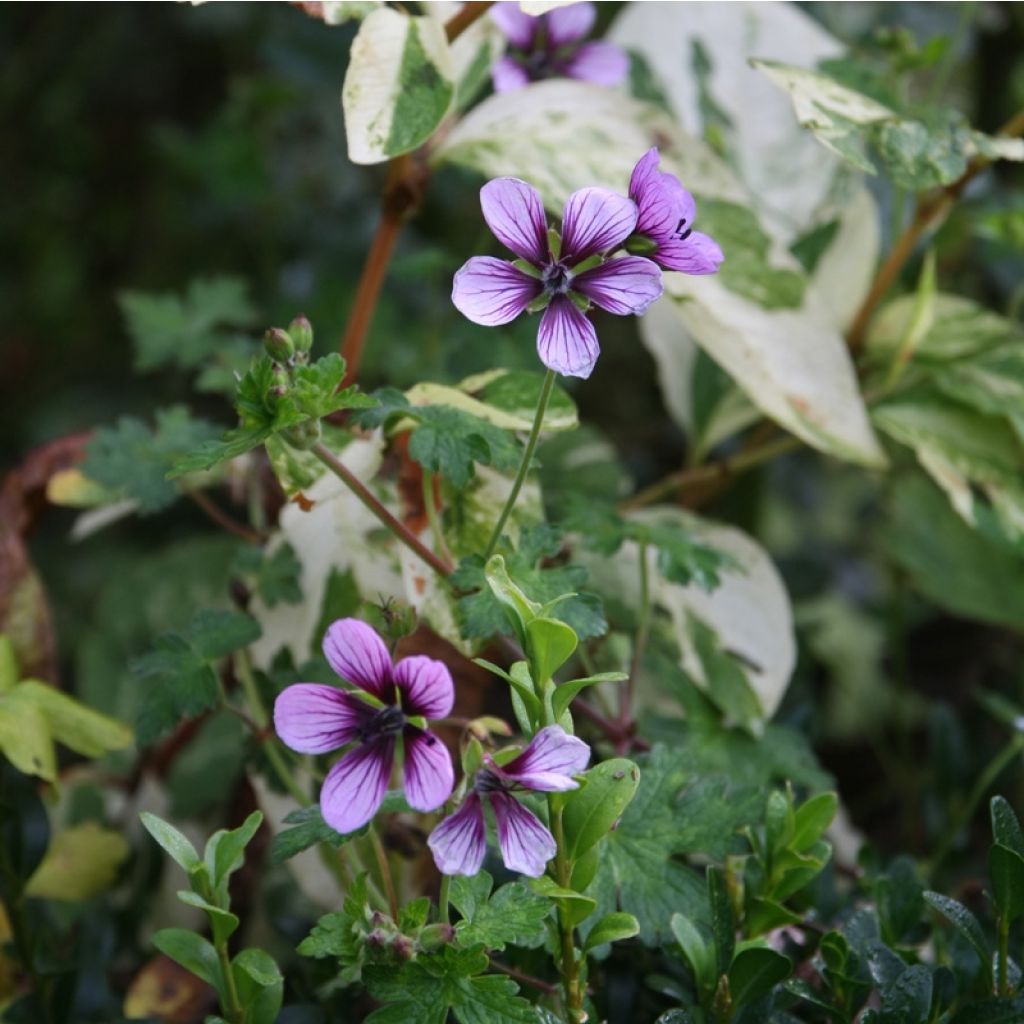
{"points": [[977, 460], [758, 318], [736, 640], [473, 53], [337, 12], [399, 85]]}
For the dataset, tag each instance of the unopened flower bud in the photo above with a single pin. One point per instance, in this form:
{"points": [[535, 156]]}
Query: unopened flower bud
{"points": [[278, 345], [404, 948], [303, 435], [301, 331], [434, 936]]}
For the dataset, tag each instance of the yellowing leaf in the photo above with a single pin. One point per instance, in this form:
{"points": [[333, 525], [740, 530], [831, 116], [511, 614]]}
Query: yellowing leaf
{"points": [[72, 723], [25, 737], [81, 862]]}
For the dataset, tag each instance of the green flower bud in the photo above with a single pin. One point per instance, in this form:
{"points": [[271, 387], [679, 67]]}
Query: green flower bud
{"points": [[303, 435], [434, 936], [278, 345], [301, 331]]}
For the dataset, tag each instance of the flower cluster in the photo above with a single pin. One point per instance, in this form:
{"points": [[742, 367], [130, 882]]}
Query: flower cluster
{"points": [[565, 272], [315, 719], [551, 46]]}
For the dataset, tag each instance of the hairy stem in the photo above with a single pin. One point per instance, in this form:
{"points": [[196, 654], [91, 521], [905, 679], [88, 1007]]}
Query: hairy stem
{"points": [[370, 501], [930, 209], [569, 966], [524, 466]]}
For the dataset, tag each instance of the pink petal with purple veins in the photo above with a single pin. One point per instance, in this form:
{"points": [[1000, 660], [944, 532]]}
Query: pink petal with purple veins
{"points": [[595, 220], [549, 761], [626, 284], [489, 291], [698, 254], [459, 843], [667, 210], [354, 788], [518, 28], [598, 62], [508, 75], [312, 718], [428, 774], [569, 24], [514, 211], [566, 339], [526, 845], [426, 686], [356, 653]]}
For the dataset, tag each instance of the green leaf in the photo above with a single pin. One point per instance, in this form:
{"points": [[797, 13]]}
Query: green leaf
{"points": [[449, 441], [1006, 869], [423, 991], [133, 459], [966, 924], [723, 924], [9, 674], [223, 923], [1005, 826], [308, 829], [592, 810], [211, 453], [186, 331], [277, 573], [566, 693], [755, 971], [612, 927], [340, 935], [193, 952], [260, 986], [700, 955], [398, 87], [512, 915], [550, 644], [811, 819], [578, 906], [215, 632], [177, 846], [225, 850]]}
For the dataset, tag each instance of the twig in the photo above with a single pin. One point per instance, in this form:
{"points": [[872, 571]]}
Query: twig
{"points": [[526, 979], [928, 211], [369, 500], [469, 13], [221, 518]]}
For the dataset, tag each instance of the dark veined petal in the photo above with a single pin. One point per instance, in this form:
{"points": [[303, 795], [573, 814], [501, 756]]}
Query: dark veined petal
{"points": [[569, 24], [515, 213], [428, 774], [625, 284], [697, 254], [492, 292], [426, 686], [566, 339], [595, 220], [518, 28], [355, 651], [598, 62], [354, 788], [459, 843], [508, 75], [549, 761], [313, 719], [666, 209], [525, 843]]}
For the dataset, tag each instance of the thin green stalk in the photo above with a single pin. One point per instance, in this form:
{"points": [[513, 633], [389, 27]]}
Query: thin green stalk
{"points": [[524, 466], [385, 871], [443, 912], [232, 1009], [985, 782], [430, 507], [569, 966], [1004, 954]]}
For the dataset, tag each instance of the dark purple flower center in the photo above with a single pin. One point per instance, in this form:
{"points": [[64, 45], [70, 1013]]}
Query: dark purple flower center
{"points": [[556, 278], [388, 721], [488, 782]]}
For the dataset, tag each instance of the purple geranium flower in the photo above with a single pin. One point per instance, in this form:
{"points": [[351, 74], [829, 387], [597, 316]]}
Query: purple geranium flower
{"points": [[551, 46], [314, 719], [564, 275], [666, 215], [546, 765]]}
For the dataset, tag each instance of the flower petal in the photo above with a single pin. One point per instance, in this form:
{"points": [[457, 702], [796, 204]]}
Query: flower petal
{"points": [[492, 292], [459, 843], [595, 220], [626, 284], [566, 339], [312, 718], [569, 24], [428, 774], [355, 786], [549, 761], [514, 211], [667, 210], [598, 62], [508, 75], [426, 686], [355, 651], [518, 28], [697, 254], [526, 845]]}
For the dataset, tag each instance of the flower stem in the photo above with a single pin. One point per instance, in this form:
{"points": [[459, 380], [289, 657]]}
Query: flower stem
{"points": [[385, 871], [370, 501], [443, 913], [524, 466], [569, 966]]}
